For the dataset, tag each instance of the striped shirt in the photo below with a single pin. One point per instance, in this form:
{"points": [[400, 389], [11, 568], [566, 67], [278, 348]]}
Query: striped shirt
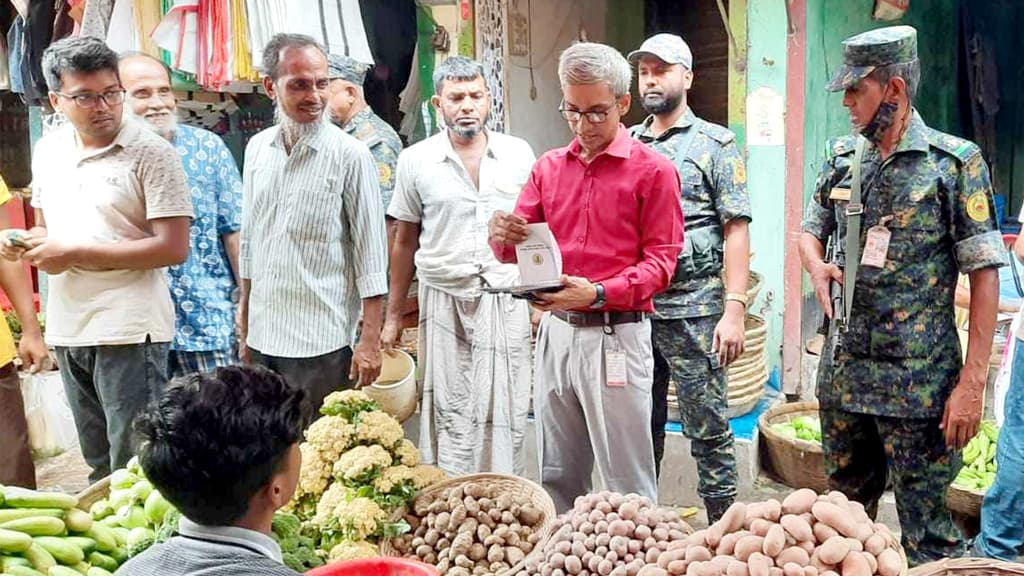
{"points": [[312, 240]]}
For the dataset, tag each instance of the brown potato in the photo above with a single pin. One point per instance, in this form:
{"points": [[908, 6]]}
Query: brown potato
{"points": [[774, 541], [889, 563], [733, 518], [834, 550], [759, 564], [792, 569], [652, 570], [747, 546], [796, 527], [737, 568], [799, 501], [835, 517], [793, 554], [760, 526], [855, 565]]}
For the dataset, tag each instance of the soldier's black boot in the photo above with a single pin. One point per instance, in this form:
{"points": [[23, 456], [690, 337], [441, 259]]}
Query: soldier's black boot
{"points": [[716, 508]]}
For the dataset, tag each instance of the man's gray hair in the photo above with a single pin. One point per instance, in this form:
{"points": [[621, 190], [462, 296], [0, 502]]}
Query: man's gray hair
{"points": [[591, 63], [909, 71], [79, 54], [279, 43], [458, 68]]}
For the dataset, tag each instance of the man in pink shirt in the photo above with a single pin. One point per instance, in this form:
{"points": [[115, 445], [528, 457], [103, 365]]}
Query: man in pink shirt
{"points": [[613, 207]]}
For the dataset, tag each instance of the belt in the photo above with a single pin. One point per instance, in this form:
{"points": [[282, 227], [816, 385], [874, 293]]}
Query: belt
{"points": [[8, 369], [590, 319]]}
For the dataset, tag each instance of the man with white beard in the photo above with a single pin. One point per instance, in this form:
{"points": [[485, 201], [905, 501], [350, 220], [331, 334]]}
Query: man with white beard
{"points": [[474, 347], [313, 251], [204, 287]]}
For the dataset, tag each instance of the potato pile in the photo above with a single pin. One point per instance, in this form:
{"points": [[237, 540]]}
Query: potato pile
{"points": [[471, 529], [805, 535], [607, 534]]}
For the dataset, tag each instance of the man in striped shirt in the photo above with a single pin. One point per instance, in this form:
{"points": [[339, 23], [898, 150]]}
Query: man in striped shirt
{"points": [[313, 241]]}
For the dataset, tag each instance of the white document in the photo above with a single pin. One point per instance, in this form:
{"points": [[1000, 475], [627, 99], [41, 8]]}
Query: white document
{"points": [[540, 260]]}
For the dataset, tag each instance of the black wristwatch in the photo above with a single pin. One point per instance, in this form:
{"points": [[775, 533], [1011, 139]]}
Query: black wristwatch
{"points": [[599, 301]]}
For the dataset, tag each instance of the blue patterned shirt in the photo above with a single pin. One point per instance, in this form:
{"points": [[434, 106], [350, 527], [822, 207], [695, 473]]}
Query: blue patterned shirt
{"points": [[202, 286]]}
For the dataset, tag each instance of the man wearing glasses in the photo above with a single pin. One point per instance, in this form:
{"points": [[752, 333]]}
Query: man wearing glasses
{"points": [[112, 210], [613, 206], [698, 328]]}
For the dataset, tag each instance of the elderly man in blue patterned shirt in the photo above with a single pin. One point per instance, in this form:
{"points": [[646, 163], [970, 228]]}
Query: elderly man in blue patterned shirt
{"points": [[203, 287]]}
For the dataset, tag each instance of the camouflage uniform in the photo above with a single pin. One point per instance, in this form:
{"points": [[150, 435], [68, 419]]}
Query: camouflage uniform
{"points": [[884, 388], [368, 128], [384, 144], [714, 192]]}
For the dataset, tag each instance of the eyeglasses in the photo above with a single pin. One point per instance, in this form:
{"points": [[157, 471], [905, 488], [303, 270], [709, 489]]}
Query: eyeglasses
{"points": [[90, 100], [593, 116]]}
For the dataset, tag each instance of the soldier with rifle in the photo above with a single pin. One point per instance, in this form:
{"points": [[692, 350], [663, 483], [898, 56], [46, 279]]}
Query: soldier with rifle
{"points": [[907, 207]]}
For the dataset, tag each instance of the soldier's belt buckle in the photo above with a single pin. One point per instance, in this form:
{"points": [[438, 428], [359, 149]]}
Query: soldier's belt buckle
{"points": [[854, 209]]}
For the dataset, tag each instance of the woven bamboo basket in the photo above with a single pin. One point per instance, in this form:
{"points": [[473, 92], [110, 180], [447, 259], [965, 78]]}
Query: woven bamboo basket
{"points": [[94, 493], [513, 485], [968, 567], [799, 463], [964, 501]]}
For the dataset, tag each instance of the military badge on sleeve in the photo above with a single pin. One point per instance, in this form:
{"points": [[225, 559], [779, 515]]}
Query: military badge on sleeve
{"points": [[977, 207]]}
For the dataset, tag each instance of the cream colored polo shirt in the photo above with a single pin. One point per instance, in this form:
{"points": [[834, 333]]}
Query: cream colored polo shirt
{"points": [[107, 196]]}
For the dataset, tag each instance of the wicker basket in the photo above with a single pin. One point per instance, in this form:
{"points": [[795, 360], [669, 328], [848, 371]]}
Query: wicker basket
{"points": [[964, 501], [513, 485], [799, 463], [968, 567], [94, 493]]}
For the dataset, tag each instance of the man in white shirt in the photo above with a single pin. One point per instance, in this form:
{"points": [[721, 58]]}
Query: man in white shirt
{"points": [[474, 347], [313, 250], [112, 210]]}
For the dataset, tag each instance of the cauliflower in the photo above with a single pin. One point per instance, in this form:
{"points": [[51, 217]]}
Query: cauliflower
{"points": [[348, 404], [407, 454], [361, 464], [334, 497], [348, 550], [393, 477], [425, 475], [379, 428], [331, 435], [315, 472], [350, 517]]}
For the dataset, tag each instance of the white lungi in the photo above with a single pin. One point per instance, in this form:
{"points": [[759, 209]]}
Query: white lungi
{"points": [[475, 354]]}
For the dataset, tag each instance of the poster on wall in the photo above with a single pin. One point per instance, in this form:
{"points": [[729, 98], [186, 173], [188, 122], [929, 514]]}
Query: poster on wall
{"points": [[766, 117]]}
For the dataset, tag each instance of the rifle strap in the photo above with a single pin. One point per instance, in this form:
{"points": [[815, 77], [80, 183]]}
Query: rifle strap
{"points": [[854, 211]]}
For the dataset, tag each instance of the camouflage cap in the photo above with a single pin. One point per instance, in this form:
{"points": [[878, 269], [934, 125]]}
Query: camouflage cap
{"points": [[670, 48], [346, 68], [865, 52]]}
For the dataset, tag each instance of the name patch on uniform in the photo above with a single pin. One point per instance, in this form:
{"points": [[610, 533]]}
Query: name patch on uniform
{"points": [[839, 194], [977, 207]]}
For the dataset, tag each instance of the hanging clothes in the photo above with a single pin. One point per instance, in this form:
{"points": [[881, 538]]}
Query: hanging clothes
{"points": [[38, 36], [337, 24], [147, 15], [96, 18], [15, 53], [122, 35], [266, 18], [241, 55], [178, 34]]}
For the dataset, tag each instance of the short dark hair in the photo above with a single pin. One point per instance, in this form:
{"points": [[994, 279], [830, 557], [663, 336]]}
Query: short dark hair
{"points": [[457, 68], [79, 54], [132, 55], [281, 42], [211, 441]]}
